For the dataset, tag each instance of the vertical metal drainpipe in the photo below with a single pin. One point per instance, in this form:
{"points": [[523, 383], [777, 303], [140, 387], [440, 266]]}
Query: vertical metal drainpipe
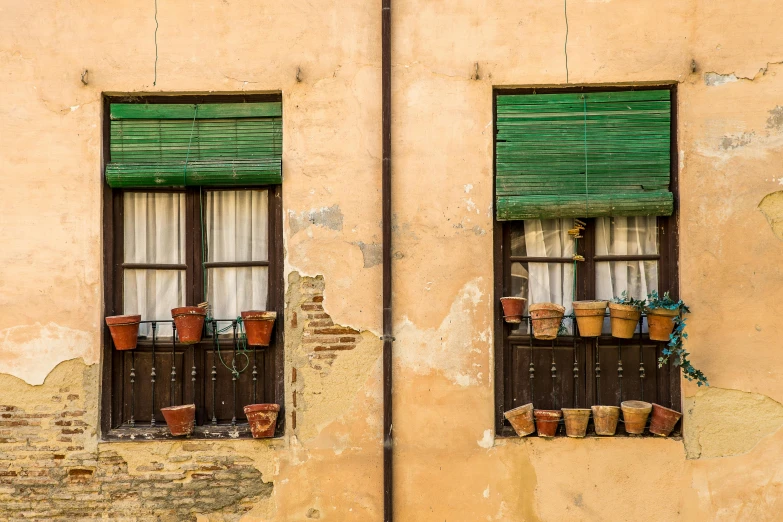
{"points": [[388, 497]]}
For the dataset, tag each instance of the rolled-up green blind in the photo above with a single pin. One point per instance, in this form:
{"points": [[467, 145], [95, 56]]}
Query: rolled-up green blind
{"points": [[583, 155], [216, 144]]}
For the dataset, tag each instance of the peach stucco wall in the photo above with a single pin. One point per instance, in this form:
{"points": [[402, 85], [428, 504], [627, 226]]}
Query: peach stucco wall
{"points": [[448, 463]]}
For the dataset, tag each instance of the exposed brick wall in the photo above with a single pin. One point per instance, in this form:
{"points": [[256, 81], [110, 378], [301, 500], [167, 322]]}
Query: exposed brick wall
{"points": [[46, 472]]}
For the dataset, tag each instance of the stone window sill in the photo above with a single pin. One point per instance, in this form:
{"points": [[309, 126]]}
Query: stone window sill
{"points": [[161, 432]]}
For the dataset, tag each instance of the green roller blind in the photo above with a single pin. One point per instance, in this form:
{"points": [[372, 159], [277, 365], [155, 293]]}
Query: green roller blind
{"points": [[583, 155], [216, 144]]}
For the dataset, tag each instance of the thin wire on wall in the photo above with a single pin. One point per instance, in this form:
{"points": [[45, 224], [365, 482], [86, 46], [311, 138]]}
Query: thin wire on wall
{"points": [[155, 78], [565, 46]]}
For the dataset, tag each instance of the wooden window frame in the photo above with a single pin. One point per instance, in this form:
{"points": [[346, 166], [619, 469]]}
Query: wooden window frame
{"points": [[113, 246], [667, 379]]}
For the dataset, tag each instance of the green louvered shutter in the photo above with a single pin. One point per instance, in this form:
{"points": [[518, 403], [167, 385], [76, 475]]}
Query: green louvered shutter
{"points": [[220, 144], [583, 155]]}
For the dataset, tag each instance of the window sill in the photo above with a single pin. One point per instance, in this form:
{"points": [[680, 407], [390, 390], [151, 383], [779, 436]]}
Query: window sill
{"points": [[508, 433], [161, 432]]}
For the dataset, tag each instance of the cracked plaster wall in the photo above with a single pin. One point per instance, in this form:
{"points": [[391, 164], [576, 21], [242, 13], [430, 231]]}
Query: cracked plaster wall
{"points": [[448, 463]]}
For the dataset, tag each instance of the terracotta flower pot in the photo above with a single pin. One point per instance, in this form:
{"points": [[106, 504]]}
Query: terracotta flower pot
{"points": [[660, 323], [590, 317], [663, 420], [180, 419], [522, 419], [546, 318], [513, 309], [625, 319], [605, 419], [190, 323], [124, 330], [635, 415], [576, 420], [547, 421], [262, 419], [258, 327]]}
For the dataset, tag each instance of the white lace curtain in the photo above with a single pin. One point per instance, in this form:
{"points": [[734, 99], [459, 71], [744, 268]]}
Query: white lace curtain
{"points": [[236, 230], [554, 282]]}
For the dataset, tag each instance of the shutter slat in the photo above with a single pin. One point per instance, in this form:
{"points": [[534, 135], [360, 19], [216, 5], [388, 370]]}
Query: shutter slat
{"points": [[227, 144], [583, 155]]}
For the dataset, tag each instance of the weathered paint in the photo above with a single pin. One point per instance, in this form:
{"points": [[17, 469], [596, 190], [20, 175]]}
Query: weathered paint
{"points": [[448, 464]]}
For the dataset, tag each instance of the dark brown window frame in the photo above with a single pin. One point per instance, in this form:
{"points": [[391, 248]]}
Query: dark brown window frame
{"points": [[272, 357], [668, 379]]}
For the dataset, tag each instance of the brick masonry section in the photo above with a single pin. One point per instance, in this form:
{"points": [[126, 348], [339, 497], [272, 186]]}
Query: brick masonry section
{"points": [[46, 473]]}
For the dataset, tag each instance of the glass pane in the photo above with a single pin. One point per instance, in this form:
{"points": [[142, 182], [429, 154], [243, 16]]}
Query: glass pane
{"points": [[626, 235], [234, 290], [153, 293], [154, 227], [237, 225], [542, 238]]}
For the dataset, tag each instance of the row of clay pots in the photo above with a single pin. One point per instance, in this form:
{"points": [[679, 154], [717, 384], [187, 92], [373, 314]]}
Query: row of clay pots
{"points": [[526, 420], [189, 321], [262, 419], [546, 318]]}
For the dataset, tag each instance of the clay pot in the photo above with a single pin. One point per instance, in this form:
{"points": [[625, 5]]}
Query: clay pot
{"points": [[546, 318], [590, 317], [180, 419], [663, 420], [576, 420], [605, 419], [625, 319], [262, 419], [258, 327], [513, 309], [635, 415], [190, 323], [522, 419], [660, 323], [547, 421], [124, 330]]}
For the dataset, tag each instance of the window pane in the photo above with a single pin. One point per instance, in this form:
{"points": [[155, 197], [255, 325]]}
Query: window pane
{"points": [[152, 294], [154, 227], [626, 236], [542, 238], [237, 225], [233, 290]]}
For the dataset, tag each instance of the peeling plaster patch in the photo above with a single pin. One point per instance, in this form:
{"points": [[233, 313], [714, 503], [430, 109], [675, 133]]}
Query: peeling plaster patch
{"points": [[775, 120], [468, 188], [736, 141], [487, 441], [714, 79], [30, 352], [486, 492], [326, 217], [772, 208], [721, 422], [371, 252]]}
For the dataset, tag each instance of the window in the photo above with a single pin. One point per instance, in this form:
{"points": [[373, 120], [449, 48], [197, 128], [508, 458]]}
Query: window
{"points": [[629, 242], [166, 246]]}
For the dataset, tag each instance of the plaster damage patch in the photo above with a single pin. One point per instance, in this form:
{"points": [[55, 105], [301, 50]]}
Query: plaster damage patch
{"points": [[31, 351], [712, 79], [371, 252], [775, 120], [722, 423], [325, 217], [772, 208]]}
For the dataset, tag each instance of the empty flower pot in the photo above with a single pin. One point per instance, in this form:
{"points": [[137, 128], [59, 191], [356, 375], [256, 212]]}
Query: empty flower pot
{"points": [[660, 323], [180, 419], [258, 327], [590, 317], [546, 318], [124, 330], [189, 321], [521, 419], [547, 421], [262, 419], [576, 420], [663, 420], [625, 319], [513, 309], [635, 415], [605, 419]]}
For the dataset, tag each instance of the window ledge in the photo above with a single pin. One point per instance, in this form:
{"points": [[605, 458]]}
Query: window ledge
{"points": [[161, 432], [508, 433]]}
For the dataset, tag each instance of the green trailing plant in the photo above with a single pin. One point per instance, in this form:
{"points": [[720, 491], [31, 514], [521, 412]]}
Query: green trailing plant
{"points": [[676, 349], [625, 299]]}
